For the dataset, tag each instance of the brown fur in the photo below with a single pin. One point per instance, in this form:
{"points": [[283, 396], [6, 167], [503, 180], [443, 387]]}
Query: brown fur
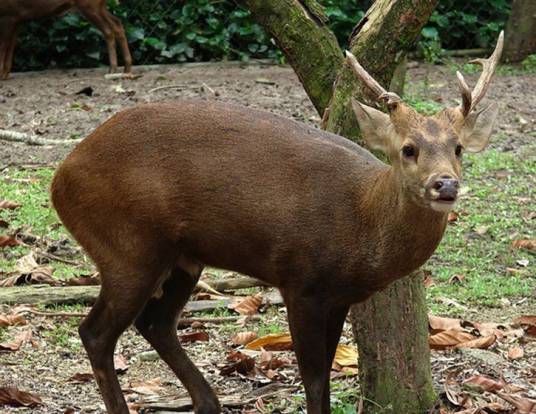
{"points": [[161, 190], [14, 12]]}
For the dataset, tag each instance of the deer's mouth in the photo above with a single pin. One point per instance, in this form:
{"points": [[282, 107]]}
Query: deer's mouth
{"points": [[443, 204], [446, 199]]}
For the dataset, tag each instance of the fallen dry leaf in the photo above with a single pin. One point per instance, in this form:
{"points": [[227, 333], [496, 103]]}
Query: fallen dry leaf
{"points": [[81, 377], [120, 364], [456, 279], [449, 339], [527, 322], [11, 320], [9, 205], [428, 281], [8, 241], [480, 343], [529, 244], [269, 362], [85, 280], [248, 306], [346, 355], [200, 336], [515, 352], [244, 364], [455, 396], [148, 387], [497, 329], [438, 323], [272, 342], [483, 382], [21, 338], [523, 404], [243, 338], [453, 216], [17, 398]]}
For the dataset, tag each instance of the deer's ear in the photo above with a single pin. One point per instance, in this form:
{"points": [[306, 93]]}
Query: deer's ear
{"points": [[375, 126], [477, 128]]}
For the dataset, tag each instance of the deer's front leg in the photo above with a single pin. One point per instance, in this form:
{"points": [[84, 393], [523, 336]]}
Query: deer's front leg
{"points": [[308, 317]]}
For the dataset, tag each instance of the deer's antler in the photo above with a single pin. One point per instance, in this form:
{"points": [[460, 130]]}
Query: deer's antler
{"points": [[471, 99], [378, 90]]}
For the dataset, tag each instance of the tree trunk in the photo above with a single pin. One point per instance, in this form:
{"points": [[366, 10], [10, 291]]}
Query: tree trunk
{"points": [[521, 31], [298, 27], [391, 327]]}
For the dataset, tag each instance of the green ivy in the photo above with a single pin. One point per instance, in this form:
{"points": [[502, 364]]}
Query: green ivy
{"points": [[171, 31]]}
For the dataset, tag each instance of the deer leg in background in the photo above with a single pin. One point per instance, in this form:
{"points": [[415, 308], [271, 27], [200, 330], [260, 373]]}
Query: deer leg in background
{"points": [[100, 21], [118, 304], [158, 324], [336, 319], [307, 321], [121, 38], [7, 31], [11, 49]]}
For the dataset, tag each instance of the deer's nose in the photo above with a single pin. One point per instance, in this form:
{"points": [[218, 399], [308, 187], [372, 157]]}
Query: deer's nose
{"points": [[447, 187]]}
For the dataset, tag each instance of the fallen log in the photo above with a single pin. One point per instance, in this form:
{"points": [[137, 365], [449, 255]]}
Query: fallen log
{"points": [[54, 295], [235, 283]]}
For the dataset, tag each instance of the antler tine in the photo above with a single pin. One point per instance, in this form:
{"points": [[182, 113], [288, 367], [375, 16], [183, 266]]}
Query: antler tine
{"points": [[466, 94], [369, 81], [482, 85]]}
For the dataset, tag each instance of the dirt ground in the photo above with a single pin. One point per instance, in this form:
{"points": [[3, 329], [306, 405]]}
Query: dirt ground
{"points": [[48, 104]]}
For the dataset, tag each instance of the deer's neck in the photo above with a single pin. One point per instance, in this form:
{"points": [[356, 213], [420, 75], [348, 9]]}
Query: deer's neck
{"points": [[408, 231]]}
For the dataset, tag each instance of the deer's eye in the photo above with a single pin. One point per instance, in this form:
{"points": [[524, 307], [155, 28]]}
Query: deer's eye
{"points": [[458, 150], [409, 151]]}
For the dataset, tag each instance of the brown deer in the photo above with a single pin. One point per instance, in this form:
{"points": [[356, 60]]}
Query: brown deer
{"points": [[161, 190], [14, 12]]}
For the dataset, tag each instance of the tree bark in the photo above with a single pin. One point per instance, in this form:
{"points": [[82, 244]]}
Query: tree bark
{"points": [[298, 27], [521, 31], [396, 376], [391, 329]]}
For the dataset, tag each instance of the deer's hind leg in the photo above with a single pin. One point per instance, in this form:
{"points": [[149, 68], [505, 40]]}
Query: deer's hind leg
{"points": [[98, 18], [120, 36], [124, 292], [158, 324]]}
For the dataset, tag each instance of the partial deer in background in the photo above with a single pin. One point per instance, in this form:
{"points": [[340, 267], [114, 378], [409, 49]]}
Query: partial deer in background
{"points": [[14, 12], [161, 190]]}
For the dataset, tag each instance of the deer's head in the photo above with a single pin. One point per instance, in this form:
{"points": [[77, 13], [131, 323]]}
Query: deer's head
{"points": [[426, 151]]}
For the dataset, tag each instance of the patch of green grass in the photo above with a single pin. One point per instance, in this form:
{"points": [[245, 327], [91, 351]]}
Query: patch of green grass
{"points": [[64, 335], [479, 244], [30, 188], [271, 327], [529, 64], [421, 105], [344, 396]]}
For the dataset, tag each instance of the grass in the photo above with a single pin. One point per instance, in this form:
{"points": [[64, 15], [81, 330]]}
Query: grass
{"points": [[35, 216], [479, 244], [63, 335]]}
